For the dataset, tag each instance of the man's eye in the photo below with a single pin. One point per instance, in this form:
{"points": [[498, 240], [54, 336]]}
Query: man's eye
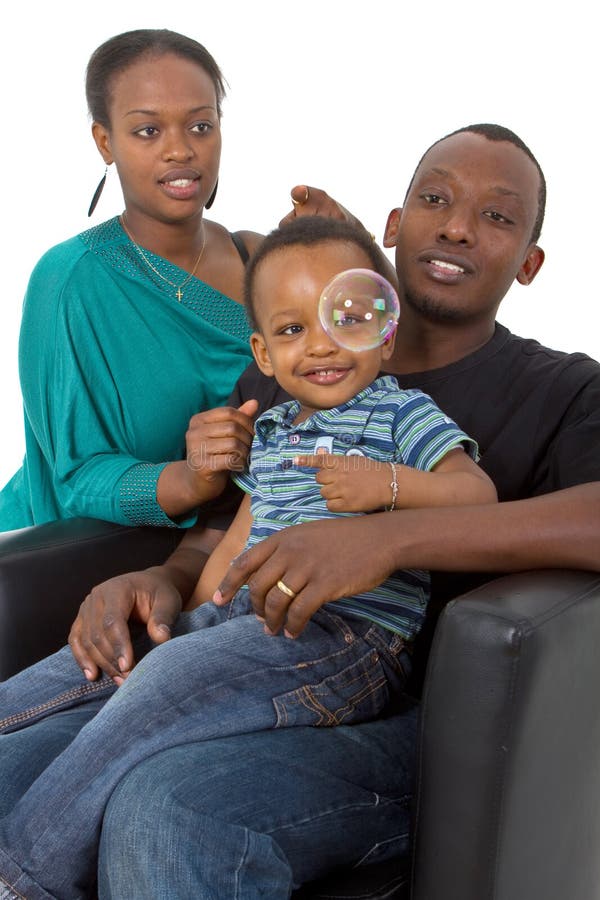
{"points": [[497, 217], [434, 199]]}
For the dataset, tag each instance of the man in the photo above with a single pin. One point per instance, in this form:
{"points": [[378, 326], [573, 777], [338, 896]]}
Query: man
{"points": [[301, 802], [306, 802]]}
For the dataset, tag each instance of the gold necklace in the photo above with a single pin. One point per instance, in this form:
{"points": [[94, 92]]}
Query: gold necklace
{"points": [[186, 280]]}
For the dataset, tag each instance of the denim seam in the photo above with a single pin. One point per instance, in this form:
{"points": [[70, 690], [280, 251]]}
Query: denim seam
{"points": [[5, 886], [59, 700], [308, 699]]}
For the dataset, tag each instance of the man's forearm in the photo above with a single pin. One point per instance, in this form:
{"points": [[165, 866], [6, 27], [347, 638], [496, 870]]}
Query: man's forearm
{"points": [[558, 530], [184, 566]]}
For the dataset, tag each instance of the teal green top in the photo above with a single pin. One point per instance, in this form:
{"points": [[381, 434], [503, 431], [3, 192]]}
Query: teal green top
{"points": [[112, 368]]}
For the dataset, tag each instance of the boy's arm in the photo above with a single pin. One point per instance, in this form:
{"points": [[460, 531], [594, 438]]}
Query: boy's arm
{"points": [[220, 559], [360, 484]]}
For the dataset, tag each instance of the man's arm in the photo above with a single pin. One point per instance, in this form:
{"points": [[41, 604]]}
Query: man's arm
{"points": [[100, 638], [325, 560]]}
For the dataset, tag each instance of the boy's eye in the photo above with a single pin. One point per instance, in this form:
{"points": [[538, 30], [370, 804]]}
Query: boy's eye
{"points": [[347, 321], [291, 329]]}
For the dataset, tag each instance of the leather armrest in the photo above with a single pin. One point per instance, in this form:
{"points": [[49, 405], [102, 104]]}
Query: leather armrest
{"points": [[509, 770], [47, 570]]}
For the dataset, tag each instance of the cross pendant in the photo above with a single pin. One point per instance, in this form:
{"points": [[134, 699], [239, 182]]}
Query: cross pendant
{"points": [[179, 295]]}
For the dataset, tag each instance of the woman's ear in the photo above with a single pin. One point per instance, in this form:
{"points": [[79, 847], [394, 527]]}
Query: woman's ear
{"points": [[101, 137], [531, 264], [392, 225], [261, 354]]}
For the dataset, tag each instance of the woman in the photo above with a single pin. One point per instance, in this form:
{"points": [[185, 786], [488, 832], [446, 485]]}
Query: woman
{"points": [[133, 326]]}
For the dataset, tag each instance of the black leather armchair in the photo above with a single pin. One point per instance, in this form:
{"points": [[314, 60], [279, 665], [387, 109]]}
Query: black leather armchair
{"points": [[508, 794]]}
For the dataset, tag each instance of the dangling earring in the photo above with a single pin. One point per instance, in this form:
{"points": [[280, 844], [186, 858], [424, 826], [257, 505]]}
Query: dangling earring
{"points": [[211, 199], [97, 193]]}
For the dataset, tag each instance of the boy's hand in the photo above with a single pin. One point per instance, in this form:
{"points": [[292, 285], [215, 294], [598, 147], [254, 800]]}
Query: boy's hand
{"points": [[351, 483], [218, 442]]}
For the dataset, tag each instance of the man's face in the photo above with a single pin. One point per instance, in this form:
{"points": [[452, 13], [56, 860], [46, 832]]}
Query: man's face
{"points": [[464, 234]]}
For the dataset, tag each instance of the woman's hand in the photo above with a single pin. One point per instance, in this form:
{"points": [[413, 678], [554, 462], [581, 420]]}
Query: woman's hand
{"points": [[311, 201], [217, 442]]}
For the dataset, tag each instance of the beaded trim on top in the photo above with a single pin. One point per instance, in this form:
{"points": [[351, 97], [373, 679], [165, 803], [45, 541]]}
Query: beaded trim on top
{"points": [[109, 242]]}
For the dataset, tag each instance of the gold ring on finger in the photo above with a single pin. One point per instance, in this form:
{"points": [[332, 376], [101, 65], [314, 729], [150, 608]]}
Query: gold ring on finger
{"points": [[286, 590]]}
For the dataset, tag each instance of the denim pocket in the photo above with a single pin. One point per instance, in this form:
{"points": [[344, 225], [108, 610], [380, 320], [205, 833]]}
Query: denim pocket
{"points": [[357, 693]]}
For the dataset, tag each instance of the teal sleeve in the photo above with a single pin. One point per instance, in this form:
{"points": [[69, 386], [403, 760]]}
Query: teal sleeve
{"points": [[80, 432]]}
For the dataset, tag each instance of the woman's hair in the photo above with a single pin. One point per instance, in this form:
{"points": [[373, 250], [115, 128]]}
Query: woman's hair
{"points": [[119, 52], [307, 231]]}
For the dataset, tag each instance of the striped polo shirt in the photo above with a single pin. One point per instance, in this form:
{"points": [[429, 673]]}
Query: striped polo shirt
{"points": [[382, 422]]}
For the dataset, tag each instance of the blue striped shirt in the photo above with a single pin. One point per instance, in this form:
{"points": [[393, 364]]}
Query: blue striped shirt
{"points": [[382, 422]]}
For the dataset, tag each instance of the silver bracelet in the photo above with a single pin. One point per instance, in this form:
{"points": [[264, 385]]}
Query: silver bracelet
{"points": [[394, 487]]}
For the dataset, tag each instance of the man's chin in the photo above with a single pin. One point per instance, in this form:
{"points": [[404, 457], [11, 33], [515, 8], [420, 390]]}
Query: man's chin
{"points": [[434, 310]]}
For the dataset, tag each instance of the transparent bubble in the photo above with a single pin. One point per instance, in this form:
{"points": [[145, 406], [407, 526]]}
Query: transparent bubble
{"points": [[359, 309]]}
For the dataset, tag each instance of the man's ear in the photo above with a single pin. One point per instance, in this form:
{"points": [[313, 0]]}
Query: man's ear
{"points": [[531, 264], [102, 139], [391, 227], [261, 354]]}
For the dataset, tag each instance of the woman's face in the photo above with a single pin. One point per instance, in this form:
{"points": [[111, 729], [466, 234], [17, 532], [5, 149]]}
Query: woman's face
{"points": [[164, 138]]}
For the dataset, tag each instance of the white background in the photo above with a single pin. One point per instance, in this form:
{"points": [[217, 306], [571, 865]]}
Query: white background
{"points": [[335, 93]]}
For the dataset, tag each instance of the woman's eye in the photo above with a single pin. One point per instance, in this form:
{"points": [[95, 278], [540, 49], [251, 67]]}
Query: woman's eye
{"points": [[202, 127], [147, 131]]}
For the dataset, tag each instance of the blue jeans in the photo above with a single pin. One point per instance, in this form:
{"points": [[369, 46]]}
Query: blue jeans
{"points": [[206, 684]]}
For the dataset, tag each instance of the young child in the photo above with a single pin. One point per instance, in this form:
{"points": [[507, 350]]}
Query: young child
{"points": [[222, 674], [385, 447]]}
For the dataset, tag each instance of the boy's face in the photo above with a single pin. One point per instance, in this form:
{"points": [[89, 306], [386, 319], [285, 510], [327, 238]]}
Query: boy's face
{"points": [[292, 344]]}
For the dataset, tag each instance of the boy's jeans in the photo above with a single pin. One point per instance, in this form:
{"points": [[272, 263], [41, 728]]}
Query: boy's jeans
{"points": [[206, 684]]}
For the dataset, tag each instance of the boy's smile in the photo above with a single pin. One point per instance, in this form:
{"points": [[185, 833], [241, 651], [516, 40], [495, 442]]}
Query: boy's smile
{"points": [[292, 344]]}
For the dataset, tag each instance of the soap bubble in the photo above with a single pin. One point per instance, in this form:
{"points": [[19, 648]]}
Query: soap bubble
{"points": [[359, 309]]}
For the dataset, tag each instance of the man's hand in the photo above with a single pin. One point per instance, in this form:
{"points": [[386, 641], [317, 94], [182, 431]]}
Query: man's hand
{"points": [[100, 639], [311, 201], [350, 483], [318, 561]]}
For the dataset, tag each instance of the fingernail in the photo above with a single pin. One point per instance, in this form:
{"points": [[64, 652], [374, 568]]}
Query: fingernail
{"points": [[118, 680], [217, 597], [288, 635], [122, 663], [267, 630], [88, 674]]}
